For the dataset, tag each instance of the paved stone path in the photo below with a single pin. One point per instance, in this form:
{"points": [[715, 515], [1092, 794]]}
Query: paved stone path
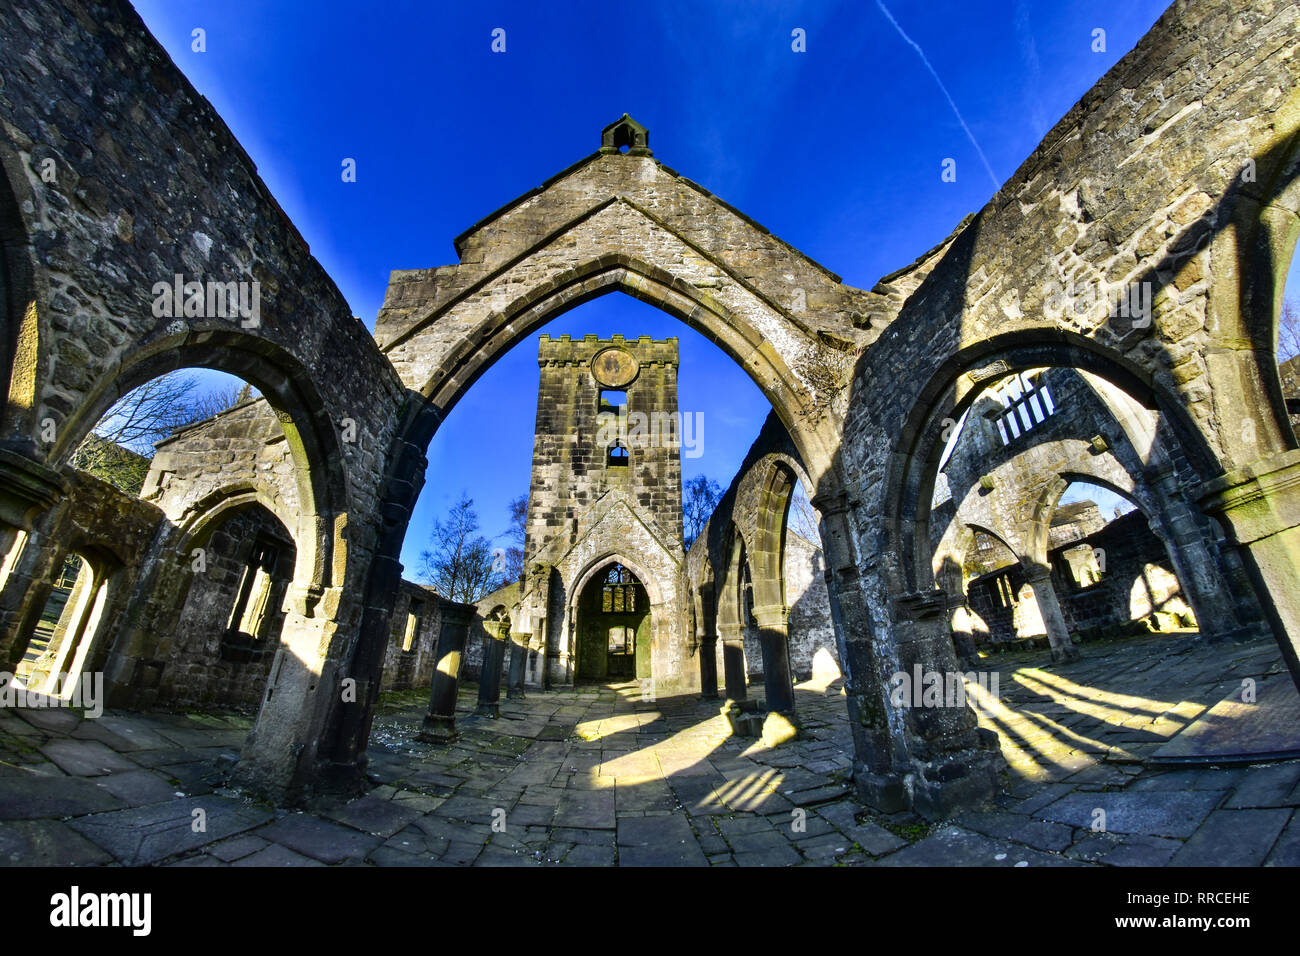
{"points": [[598, 776]]}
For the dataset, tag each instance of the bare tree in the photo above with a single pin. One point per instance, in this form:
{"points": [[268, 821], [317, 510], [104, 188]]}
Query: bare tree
{"points": [[700, 497], [460, 564], [1288, 330], [120, 447], [802, 519], [1288, 357], [517, 533]]}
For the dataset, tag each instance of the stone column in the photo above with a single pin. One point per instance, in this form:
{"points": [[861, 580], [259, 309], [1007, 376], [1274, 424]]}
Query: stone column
{"points": [[733, 661], [774, 637], [1049, 606], [1259, 507], [875, 775], [708, 666], [440, 722], [341, 747], [518, 663], [496, 633], [950, 763], [1199, 576]]}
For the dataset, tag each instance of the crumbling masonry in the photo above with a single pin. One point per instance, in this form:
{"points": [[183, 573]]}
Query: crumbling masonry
{"points": [[1175, 175]]}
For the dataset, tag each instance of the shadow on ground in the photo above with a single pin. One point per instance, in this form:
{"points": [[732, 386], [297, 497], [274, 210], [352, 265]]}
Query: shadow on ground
{"points": [[600, 776]]}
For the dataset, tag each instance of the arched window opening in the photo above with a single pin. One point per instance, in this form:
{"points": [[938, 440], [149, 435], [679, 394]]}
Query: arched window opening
{"points": [[61, 638], [619, 593]]}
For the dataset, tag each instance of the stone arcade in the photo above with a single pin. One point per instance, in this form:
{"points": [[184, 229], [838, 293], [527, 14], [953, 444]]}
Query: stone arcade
{"points": [[1177, 172]]}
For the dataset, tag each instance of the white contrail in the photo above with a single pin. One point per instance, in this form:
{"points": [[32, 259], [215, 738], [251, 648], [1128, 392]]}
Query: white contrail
{"points": [[956, 112]]}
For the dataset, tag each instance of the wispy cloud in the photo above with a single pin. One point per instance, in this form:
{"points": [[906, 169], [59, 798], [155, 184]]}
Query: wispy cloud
{"points": [[1029, 51], [956, 112]]}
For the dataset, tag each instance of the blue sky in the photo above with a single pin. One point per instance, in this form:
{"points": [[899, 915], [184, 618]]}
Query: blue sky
{"points": [[837, 150]]}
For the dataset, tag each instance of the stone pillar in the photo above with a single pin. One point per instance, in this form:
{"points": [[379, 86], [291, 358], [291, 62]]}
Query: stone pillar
{"points": [[495, 636], [1202, 581], [733, 661], [1049, 606], [774, 637], [948, 762], [340, 748], [860, 661], [440, 722], [518, 664], [1259, 507], [709, 667]]}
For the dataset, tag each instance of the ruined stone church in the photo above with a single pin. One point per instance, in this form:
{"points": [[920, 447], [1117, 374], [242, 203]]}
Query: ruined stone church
{"points": [[1110, 316]]}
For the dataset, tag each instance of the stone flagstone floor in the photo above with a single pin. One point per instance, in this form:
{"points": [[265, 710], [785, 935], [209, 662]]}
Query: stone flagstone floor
{"points": [[598, 776]]}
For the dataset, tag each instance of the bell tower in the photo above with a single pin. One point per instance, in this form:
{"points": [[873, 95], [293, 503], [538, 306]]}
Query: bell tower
{"points": [[607, 424]]}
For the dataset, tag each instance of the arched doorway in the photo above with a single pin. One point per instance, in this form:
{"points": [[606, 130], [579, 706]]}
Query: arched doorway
{"points": [[614, 627]]}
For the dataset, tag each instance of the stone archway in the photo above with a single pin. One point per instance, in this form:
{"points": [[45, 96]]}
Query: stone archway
{"points": [[615, 222], [613, 626]]}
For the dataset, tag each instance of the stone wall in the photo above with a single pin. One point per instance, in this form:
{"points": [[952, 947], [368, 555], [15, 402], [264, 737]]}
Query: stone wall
{"points": [[105, 217], [242, 449], [1137, 584], [202, 659], [1177, 175], [412, 650], [1137, 591], [471, 667], [1011, 490]]}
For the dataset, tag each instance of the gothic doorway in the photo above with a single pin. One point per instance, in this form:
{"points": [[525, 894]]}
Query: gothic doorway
{"points": [[613, 627]]}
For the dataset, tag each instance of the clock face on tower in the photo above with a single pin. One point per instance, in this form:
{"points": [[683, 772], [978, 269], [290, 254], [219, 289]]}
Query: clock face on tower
{"points": [[615, 368]]}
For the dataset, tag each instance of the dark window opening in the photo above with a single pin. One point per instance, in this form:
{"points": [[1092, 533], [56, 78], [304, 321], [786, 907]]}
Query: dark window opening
{"points": [[617, 457]]}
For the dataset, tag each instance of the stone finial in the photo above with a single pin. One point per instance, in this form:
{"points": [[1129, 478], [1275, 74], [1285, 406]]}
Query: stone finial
{"points": [[627, 134]]}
